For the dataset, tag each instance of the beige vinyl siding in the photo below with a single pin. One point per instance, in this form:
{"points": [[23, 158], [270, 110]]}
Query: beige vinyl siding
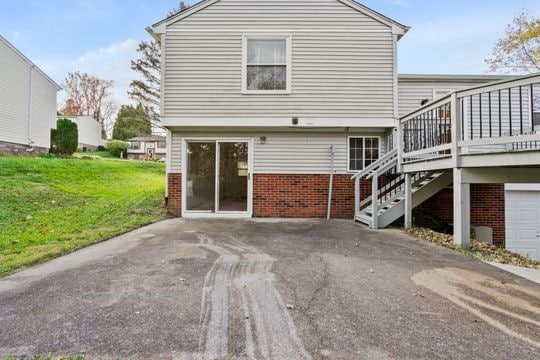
{"points": [[43, 110], [273, 14], [285, 153], [342, 62], [14, 90], [411, 93], [17, 104], [89, 131]]}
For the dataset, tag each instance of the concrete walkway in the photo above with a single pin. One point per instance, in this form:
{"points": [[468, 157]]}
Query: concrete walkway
{"points": [[267, 289], [529, 274]]}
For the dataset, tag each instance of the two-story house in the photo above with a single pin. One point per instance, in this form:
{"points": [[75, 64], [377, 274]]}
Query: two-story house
{"points": [[27, 104], [150, 147], [264, 99]]}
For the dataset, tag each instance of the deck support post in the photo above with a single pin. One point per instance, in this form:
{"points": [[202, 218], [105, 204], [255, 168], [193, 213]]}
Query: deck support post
{"points": [[462, 210], [408, 200]]}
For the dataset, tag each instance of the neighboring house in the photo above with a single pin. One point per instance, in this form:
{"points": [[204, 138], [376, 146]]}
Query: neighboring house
{"points": [[27, 104], [89, 131], [151, 147], [262, 108]]}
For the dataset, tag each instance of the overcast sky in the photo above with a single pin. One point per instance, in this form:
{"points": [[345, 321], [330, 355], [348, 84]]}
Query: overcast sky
{"points": [[100, 36]]}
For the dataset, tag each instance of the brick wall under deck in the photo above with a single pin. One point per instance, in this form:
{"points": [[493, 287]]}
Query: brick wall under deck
{"points": [[174, 200], [487, 208]]}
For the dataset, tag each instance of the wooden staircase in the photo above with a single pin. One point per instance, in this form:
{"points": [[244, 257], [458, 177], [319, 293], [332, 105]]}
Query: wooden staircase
{"points": [[388, 191]]}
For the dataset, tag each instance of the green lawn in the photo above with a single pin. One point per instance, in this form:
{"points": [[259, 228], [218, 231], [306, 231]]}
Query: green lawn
{"points": [[49, 207], [103, 154]]}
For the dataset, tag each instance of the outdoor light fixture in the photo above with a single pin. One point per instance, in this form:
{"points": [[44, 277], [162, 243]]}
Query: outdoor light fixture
{"points": [[295, 120], [263, 140]]}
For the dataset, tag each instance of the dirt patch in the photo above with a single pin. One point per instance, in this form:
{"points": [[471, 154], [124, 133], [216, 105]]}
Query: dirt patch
{"points": [[499, 304]]}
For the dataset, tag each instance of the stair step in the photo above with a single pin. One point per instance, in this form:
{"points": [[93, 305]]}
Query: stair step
{"points": [[363, 218]]}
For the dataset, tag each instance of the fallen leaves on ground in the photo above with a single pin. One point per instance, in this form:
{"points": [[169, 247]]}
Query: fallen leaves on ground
{"points": [[480, 250]]}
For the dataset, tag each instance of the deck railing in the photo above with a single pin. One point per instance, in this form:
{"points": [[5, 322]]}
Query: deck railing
{"points": [[497, 117]]}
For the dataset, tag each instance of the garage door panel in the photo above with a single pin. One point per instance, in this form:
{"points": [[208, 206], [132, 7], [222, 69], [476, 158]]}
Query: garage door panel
{"points": [[528, 252], [522, 213], [528, 215]]}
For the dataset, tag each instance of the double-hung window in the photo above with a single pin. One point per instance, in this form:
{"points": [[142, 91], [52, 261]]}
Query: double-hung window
{"points": [[266, 65], [363, 151]]}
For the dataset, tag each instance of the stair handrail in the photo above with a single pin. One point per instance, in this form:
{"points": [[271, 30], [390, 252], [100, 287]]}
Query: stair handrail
{"points": [[384, 168], [381, 162]]}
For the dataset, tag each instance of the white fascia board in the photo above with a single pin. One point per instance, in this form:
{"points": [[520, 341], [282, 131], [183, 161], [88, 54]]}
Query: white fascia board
{"points": [[183, 14], [397, 28], [280, 122], [522, 187]]}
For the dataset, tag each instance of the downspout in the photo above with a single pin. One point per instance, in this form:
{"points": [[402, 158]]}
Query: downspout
{"points": [[29, 120], [331, 185]]}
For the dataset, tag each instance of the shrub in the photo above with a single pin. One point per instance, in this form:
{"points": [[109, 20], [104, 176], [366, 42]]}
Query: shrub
{"points": [[101, 148], [65, 138], [47, 156], [116, 147]]}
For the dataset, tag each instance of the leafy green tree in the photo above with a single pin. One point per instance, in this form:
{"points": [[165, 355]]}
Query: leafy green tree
{"points": [[65, 138], [132, 122], [519, 49]]}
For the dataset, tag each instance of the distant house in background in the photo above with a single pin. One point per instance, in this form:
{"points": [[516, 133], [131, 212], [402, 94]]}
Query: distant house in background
{"points": [[151, 147], [27, 104], [90, 136]]}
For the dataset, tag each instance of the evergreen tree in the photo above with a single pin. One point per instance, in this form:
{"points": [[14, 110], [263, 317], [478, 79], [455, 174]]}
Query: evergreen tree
{"points": [[132, 122]]}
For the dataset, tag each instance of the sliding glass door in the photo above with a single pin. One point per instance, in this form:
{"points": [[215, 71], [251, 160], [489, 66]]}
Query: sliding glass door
{"points": [[217, 177]]}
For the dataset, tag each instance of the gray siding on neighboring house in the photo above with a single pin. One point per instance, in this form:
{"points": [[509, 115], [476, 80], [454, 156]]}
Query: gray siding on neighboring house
{"points": [[27, 100], [285, 152], [342, 62]]}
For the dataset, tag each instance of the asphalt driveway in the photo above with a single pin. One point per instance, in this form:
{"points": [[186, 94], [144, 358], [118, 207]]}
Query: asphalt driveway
{"points": [[232, 289]]}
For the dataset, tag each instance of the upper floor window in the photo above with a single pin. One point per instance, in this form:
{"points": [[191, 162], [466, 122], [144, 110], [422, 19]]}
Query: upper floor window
{"points": [[161, 145], [266, 67], [135, 145]]}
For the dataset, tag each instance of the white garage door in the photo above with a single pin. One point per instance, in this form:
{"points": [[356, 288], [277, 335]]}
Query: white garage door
{"points": [[523, 222]]}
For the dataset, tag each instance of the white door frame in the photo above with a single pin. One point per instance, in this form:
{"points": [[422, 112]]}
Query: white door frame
{"points": [[217, 214]]}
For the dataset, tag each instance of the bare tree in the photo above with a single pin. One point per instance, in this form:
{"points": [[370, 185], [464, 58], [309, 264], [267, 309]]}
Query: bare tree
{"points": [[519, 49], [146, 90], [89, 95]]}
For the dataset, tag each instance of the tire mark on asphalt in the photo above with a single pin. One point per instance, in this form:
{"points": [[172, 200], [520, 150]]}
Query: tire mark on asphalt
{"points": [[245, 271]]}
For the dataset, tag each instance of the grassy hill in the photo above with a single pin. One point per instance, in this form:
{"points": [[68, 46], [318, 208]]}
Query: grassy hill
{"points": [[49, 207]]}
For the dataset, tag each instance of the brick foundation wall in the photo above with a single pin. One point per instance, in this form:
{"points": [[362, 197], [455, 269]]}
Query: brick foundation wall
{"points": [[302, 196], [487, 208], [8, 148], [174, 200], [289, 196]]}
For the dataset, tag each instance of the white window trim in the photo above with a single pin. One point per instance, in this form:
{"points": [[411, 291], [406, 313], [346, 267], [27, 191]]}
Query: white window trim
{"points": [[364, 158], [245, 38]]}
